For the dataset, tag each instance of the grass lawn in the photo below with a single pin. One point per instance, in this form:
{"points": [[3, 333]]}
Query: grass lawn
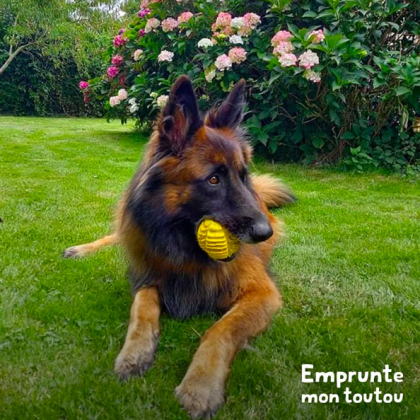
{"points": [[349, 271]]}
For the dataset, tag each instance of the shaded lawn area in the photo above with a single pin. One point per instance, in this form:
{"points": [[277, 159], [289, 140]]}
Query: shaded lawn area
{"points": [[349, 271]]}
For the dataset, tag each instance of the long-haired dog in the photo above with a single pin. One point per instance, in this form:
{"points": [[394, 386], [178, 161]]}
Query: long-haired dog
{"points": [[196, 168]]}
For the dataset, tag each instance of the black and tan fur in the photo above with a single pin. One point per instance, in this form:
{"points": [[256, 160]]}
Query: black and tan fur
{"points": [[196, 168]]}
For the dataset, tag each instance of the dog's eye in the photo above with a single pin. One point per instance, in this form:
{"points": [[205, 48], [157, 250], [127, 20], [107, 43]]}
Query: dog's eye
{"points": [[214, 180]]}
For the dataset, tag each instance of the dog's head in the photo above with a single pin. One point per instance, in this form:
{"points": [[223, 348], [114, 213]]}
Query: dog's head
{"points": [[197, 167]]}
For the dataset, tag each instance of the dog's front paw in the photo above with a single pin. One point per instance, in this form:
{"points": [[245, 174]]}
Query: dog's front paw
{"points": [[74, 252], [135, 361], [201, 397]]}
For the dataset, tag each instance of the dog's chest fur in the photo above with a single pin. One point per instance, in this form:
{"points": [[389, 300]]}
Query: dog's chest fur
{"points": [[184, 294]]}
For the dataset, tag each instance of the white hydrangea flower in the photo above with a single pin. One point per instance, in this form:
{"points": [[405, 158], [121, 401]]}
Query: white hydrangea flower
{"points": [[236, 39], [210, 74], [162, 100], [165, 55], [237, 23], [205, 43]]}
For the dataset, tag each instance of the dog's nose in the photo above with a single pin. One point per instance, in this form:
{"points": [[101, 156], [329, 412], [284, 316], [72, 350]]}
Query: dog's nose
{"points": [[261, 231]]}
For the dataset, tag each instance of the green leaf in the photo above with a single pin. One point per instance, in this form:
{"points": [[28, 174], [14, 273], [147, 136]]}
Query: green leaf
{"points": [[401, 90], [309, 14], [318, 142]]}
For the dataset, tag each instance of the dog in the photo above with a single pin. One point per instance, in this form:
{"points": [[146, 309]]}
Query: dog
{"points": [[195, 168]]}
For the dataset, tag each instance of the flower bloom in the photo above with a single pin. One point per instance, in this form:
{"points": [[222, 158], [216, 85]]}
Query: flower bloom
{"points": [[280, 36], [223, 62], [120, 40], [236, 39], [252, 19], [308, 59], [112, 71], [312, 76], [83, 85], [162, 100], [143, 13], [237, 55], [169, 24], [121, 31], [237, 22], [283, 47], [317, 36], [210, 74], [137, 54], [223, 19], [205, 43], [151, 24], [287, 60], [165, 56], [145, 3], [117, 60], [114, 101], [122, 95], [242, 27], [185, 17], [142, 33]]}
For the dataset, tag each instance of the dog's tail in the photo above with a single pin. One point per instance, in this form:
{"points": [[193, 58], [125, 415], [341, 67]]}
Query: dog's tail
{"points": [[272, 191]]}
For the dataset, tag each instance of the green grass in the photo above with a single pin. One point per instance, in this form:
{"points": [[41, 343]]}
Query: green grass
{"points": [[349, 271]]}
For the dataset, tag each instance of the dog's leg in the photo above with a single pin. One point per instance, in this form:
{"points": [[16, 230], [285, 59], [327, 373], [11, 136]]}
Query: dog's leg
{"points": [[79, 251], [138, 352], [201, 392]]}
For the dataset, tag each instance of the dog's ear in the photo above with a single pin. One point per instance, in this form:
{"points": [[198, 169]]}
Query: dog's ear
{"points": [[230, 112], [180, 119]]}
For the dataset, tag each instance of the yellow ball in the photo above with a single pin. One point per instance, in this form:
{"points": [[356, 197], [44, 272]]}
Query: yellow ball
{"points": [[216, 240]]}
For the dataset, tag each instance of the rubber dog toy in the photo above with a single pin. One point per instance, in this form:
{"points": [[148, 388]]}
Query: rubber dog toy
{"points": [[216, 240]]}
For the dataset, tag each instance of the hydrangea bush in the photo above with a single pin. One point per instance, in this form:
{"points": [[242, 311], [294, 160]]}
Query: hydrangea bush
{"points": [[326, 79]]}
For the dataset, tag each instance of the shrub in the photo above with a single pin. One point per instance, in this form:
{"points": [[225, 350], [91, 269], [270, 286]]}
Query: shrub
{"points": [[326, 79]]}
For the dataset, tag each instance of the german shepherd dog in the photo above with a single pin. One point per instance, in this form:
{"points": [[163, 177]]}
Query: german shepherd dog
{"points": [[195, 168]]}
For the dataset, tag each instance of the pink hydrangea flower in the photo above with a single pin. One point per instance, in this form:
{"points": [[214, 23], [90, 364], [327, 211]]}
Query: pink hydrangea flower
{"points": [[151, 24], [143, 13], [245, 30], [165, 56], [287, 60], [280, 36], [223, 19], [312, 76], [283, 47], [114, 101], [117, 60], [137, 54], [120, 40], [112, 72], [308, 59], [142, 33], [243, 27], [122, 95], [223, 62], [237, 55], [83, 85], [185, 17], [169, 24], [252, 19], [317, 36], [145, 3]]}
